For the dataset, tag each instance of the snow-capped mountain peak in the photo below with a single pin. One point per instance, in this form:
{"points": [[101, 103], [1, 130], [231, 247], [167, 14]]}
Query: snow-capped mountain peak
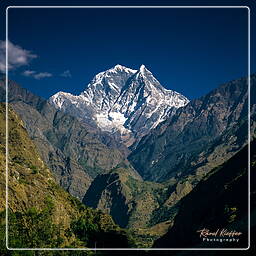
{"points": [[142, 68], [123, 101], [119, 67]]}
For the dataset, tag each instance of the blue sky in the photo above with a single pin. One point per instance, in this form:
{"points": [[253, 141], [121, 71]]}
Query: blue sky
{"points": [[188, 50]]}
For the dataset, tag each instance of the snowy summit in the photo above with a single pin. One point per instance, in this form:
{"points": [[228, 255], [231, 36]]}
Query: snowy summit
{"points": [[123, 101]]}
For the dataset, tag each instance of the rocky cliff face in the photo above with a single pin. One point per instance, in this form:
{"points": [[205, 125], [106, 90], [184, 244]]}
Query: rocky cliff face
{"points": [[127, 103], [71, 149], [200, 136]]}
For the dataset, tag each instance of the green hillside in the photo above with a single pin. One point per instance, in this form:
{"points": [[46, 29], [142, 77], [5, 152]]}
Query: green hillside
{"points": [[41, 213]]}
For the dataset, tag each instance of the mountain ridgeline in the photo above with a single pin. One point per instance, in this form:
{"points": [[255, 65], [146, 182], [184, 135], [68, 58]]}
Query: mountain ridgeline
{"points": [[200, 136], [74, 151]]}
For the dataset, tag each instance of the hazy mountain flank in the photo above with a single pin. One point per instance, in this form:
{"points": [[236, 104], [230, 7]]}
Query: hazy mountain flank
{"points": [[71, 149]]}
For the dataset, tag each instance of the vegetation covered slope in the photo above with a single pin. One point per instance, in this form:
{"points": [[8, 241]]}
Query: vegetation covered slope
{"points": [[41, 213], [127, 198], [218, 201], [146, 208]]}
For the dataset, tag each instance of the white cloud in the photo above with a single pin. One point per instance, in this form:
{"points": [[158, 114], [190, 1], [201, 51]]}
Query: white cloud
{"points": [[66, 73], [29, 73], [36, 75], [17, 56], [42, 75]]}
